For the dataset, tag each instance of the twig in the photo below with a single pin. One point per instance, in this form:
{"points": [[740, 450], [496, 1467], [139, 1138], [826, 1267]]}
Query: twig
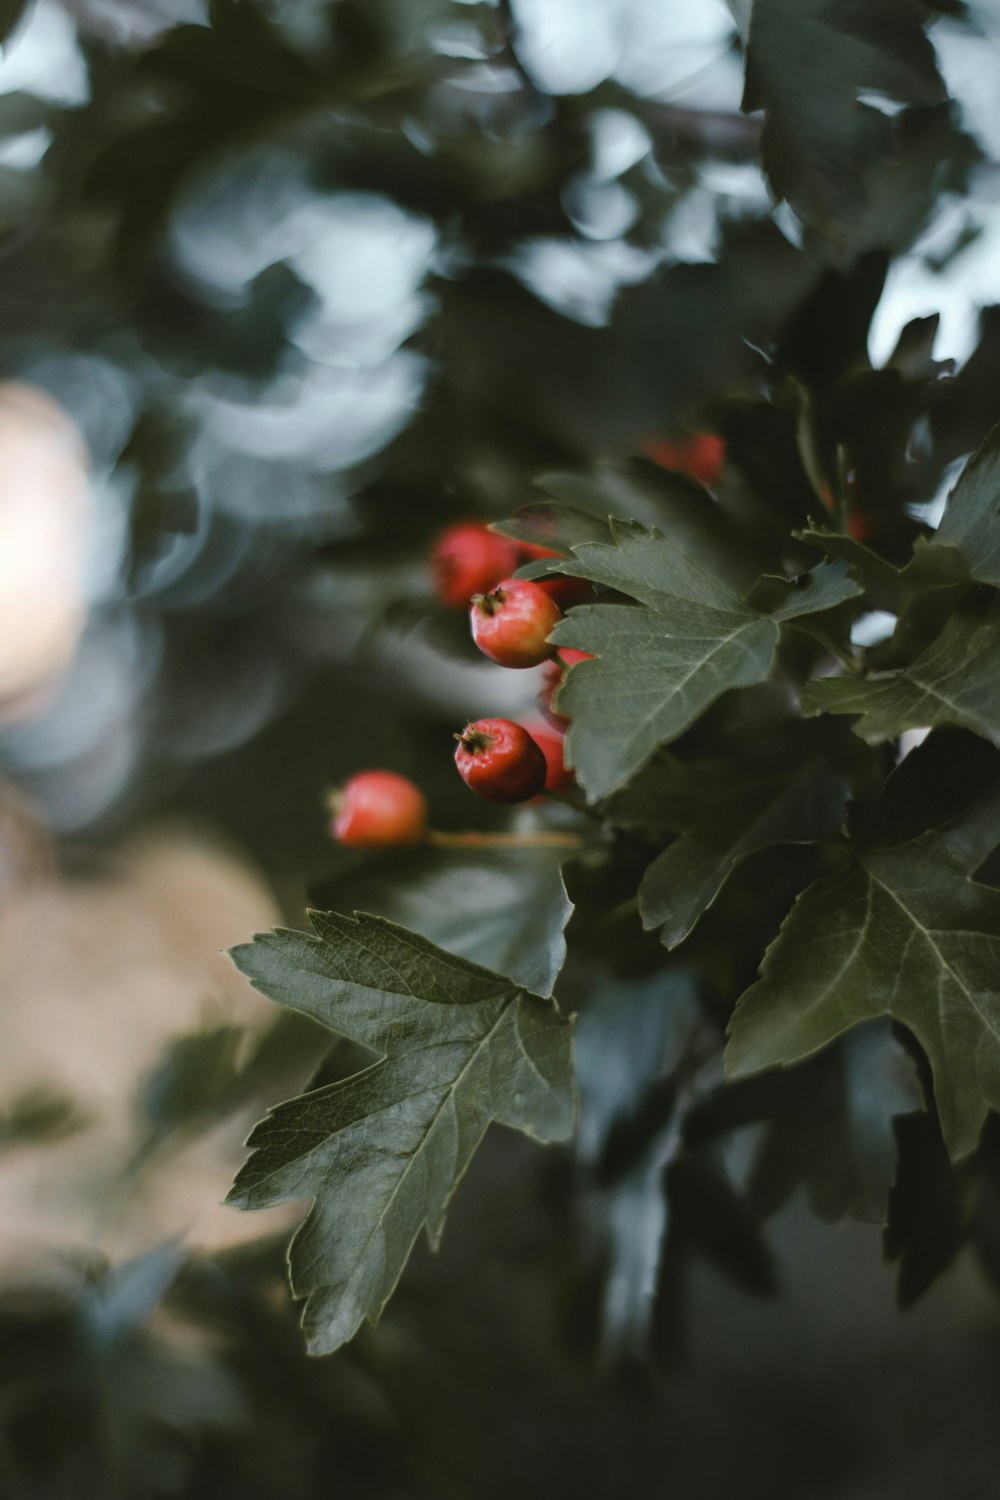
{"points": [[543, 839]]}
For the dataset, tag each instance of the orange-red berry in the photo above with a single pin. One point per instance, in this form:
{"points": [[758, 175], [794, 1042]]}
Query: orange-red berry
{"points": [[376, 808], [562, 590], [551, 740], [511, 624], [566, 656], [468, 559], [701, 455]]}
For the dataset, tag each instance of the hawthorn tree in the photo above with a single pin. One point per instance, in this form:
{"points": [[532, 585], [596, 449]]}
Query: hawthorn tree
{"points": [[748, 947]]}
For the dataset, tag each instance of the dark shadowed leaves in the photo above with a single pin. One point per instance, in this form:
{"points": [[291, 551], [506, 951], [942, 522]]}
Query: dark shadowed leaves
{"points": [[903, 930], [709, 1215], [925, 1229], [631, 1041], [969, 525], [828, 1125], [132, 1404], [952, 681], [725, 815], [807, 63]]}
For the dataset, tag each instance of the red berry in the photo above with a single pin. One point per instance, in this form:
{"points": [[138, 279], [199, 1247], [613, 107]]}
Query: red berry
{"points": [[468, 559], [550, 741], [550, 681], [511, 624], [378, 807], [566, 656], [701, 455], [563, 591], [499, 759], [570, 656], [532, 551]]}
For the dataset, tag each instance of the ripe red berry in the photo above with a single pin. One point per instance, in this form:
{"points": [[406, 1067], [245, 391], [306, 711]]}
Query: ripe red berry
{"points": [[499, 759], [376, 808], [511, 624], [531, 551], [468, 559], [550, 740], [566, 656], [701, 455], [563, 591], [570, 656]]}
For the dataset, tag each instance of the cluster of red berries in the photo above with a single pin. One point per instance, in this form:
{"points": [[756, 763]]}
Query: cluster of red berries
{"points": [[511, 620], [511, 624]]}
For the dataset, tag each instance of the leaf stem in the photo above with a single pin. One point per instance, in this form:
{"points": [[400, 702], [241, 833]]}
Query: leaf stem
{"points": [[473, 839], [822, 639], [574, 803]]}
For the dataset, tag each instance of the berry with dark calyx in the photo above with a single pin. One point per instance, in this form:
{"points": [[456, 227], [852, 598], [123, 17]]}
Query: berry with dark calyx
{"points": [[378, 808], [499, 759], [511, 624], [551, 740], [468, 559], [701, 455]]}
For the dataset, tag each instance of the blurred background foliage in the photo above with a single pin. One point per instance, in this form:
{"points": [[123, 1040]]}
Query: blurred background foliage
{"points": [[285, 287]]}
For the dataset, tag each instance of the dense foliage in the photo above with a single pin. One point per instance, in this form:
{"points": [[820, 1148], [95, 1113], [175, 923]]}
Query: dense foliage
{"points": [[317, 281]]}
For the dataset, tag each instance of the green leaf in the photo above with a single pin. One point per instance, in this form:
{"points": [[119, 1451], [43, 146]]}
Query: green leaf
{"points": [[727, 815], [673, 504], [953, 681], [807, 62], [380, 1153], [824, 587], [861, 559], [557, 527], [901, 930], [969, 526], [504, 908], [655, 673], [658, 667]]}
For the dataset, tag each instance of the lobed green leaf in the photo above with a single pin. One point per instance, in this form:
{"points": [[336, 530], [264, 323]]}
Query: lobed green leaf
{"points": [[380, 1153]]}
